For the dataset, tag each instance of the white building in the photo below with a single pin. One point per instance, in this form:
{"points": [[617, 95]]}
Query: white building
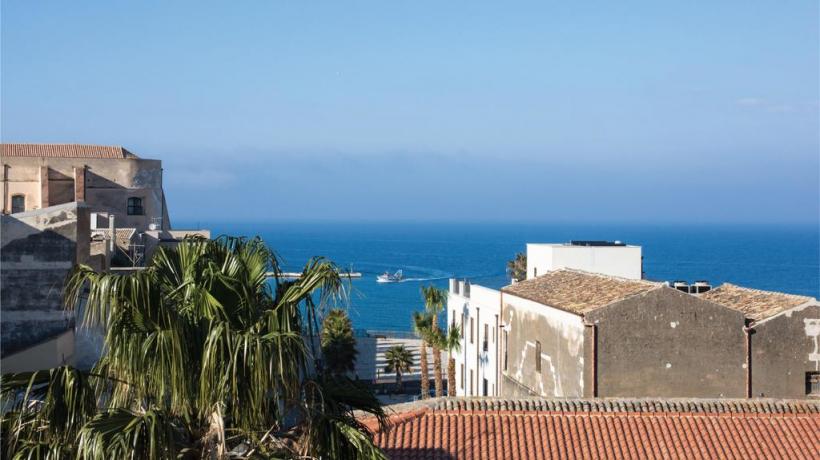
{"points": [[477, 309], [604, 257]]}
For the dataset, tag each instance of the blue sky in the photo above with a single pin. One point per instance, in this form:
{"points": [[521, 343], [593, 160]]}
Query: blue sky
{"points": [[541, 111]]}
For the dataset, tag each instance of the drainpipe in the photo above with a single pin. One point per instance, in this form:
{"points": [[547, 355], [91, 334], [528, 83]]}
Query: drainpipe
{"points": [[748, 331], [594, 353]]}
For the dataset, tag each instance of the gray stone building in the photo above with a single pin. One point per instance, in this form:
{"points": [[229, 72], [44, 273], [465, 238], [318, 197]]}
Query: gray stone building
{"points": [[782, 333], [575, 334], [38, 250]]}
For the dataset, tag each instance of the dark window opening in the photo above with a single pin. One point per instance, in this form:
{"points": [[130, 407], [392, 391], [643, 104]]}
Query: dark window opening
{"points": [[471, 383], [462, 376], [484, 387], [135, 206], [538, 356], [18, 203], [484, 346], [813, 384], [534, 272], [472, 328]]}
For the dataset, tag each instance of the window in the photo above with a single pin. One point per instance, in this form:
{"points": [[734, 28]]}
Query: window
{"points": [[534, 272], [484, 387], [538, 356], [505, 350], [135, 206], [471, 383], [813, 384], [486, 337], [462, 376], [471, 329], [18, 203]]}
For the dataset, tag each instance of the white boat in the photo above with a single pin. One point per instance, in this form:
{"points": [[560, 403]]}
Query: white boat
{"points": [[386, 277]]}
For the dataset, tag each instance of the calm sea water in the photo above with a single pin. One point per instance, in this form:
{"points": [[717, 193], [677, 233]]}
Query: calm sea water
{"points": [[781, 258]]}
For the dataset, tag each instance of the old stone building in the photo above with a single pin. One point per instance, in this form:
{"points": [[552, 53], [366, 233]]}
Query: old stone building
{"points": [[575, 334], [109, 180], [65, 204], [572, 334], [782, 332]]}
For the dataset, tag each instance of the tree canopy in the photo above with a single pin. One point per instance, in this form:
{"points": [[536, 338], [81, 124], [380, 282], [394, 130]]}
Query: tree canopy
{"points": [[204, 357]]}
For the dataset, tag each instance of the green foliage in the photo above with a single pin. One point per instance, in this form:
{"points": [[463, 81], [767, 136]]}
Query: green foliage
{"points": [[399, 361], [338, 343], [202, 356], [517, 268]]}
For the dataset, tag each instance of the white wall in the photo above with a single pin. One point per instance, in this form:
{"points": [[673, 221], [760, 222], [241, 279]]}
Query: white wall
{"points": [[561, 335], [621, 261], [483, 307]]}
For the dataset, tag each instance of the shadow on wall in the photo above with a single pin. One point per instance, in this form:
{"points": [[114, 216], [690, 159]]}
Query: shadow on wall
{"points": [[35, 264]]}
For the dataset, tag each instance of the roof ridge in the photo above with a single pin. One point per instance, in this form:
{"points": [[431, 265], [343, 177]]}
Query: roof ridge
{"points": [[642, 405], [65, 150]]}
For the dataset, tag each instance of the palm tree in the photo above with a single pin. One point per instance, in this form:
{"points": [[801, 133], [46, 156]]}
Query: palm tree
{"points": [[434, 299], [452, 343], [517, 268], [422, 325], [338, 344], [399, 360], [203, 358]]}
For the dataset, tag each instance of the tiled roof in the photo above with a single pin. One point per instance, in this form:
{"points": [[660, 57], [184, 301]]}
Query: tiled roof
{"points": [[578, 291], [65, 151], [496, 429], [754, 303]]}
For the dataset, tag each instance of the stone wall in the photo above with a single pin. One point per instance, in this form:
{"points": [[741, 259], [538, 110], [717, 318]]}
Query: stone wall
{"points": [[39, 248], [784, 349], [668, 344]]}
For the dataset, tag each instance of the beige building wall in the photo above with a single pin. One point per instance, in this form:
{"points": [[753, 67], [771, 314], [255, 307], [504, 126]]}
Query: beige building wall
{"points": [[108, 184]]}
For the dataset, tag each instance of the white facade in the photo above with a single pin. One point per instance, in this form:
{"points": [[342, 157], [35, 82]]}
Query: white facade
{"points": [[476, 309], [614, 260]]}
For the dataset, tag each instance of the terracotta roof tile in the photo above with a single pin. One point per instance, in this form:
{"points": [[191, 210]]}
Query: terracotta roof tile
{"points": [[578, 291], [490, 429], [754, 303], [64, 151]]}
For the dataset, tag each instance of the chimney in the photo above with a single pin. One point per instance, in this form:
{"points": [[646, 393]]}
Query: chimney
{"points": [[79, 184], [43, 187]]}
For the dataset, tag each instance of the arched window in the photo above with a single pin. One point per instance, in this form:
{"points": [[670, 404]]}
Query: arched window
{"points": [[135, 206], [18, 203]]}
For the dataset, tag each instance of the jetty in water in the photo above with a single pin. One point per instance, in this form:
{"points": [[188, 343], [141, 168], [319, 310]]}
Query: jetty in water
{"points": [[296, 275]]}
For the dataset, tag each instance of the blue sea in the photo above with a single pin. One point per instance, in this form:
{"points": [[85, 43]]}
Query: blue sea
{"points": [[780, 258]]}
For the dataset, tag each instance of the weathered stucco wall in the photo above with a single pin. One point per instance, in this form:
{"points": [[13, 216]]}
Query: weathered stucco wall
{"points": [[39, 248], [669, 344], [784, 349], [561, 335], [108, 185]]}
